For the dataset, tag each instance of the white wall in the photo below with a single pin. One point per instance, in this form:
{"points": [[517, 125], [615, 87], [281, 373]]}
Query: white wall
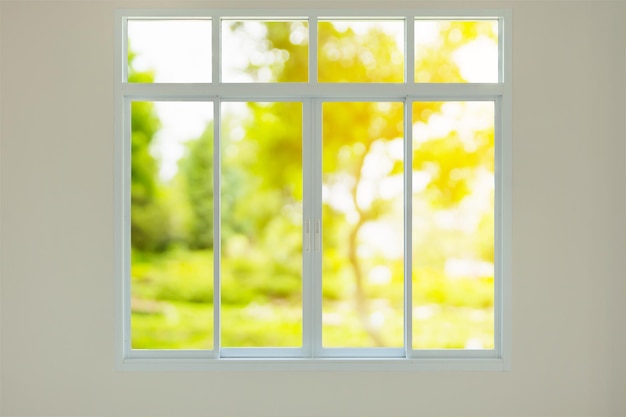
{"points": [[569, 312]]}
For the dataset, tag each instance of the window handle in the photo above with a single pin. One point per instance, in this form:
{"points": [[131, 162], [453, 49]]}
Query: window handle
{"points": [[318, 235], [307, 235]]}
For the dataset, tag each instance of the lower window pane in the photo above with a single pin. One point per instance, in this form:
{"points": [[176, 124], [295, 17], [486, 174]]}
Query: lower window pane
{"points": [[172, 225], [362, 187], [453, 225], [261, 203]]}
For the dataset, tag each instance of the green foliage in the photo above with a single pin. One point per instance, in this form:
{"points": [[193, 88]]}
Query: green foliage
{"points": [[453, 327], [453, 175], [197, 172], [261, 209], [262, 325], [172, 325], [431, 286], [149, 216], [258, 278], [177, 275], [290, 60], [173, 301]]}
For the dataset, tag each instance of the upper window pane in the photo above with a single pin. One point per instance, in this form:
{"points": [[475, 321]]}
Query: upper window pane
{"points": [[448, 51], [266, 51], [361, 51], [169, 51]]}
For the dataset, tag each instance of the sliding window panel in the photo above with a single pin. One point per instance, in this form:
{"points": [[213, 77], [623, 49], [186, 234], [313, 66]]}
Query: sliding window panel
{"points": [[362, 224], [171, 225], [261, 224], [453, 225]]}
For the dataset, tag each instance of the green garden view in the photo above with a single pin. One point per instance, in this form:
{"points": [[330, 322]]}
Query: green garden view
{"points": [[362, 177]]}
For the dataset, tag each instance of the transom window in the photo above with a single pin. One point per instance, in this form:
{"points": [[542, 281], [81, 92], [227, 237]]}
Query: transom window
{"points": [[313, 188]]}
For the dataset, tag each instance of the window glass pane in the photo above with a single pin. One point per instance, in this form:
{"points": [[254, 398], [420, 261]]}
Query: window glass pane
{"points": [[362, 257], [361, 51], [456, 51], [261, 200], [172, 225], [453, 225], [169, 51], [266, 51]]}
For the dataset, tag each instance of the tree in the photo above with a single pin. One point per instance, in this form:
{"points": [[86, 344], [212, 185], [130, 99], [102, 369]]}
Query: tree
{"points": [[197, 173], [353, 130], [149, 218]]}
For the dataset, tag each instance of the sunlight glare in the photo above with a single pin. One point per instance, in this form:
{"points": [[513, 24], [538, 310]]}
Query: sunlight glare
{"points": [[180, 122], [380, 275], [478, 61], [177, 50]]}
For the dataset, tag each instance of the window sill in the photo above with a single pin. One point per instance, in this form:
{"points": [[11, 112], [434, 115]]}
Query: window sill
{"points": [[318, 364]]}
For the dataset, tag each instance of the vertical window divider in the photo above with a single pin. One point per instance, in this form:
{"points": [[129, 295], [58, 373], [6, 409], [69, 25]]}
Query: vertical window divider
{"points": [[409, 49], [501, 169], [316, 193], [504, 203], [216, 40], [409, 78], [217, 240], [307, 234], [216, 78], [126, 238], [502, 51], [123, 30], [308, 273], [313, 71], [408, 226]]}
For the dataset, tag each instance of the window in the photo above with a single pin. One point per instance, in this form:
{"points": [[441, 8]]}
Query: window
{"points": [[313, 189]]}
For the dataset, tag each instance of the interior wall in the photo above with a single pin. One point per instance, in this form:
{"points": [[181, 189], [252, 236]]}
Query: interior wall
{"points": [[569, 201]]}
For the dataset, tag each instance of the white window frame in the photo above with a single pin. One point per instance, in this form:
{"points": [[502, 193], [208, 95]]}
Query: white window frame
{"points": [[311, 94]]}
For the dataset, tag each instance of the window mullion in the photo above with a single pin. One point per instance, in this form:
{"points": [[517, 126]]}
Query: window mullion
{"points": [[408, 226], [123, 32], [502, 229], [126, 238], [409, 49], [313, 50], [216, 39], [216, 62], [308, 314], [317, 218], [217, 242]]}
